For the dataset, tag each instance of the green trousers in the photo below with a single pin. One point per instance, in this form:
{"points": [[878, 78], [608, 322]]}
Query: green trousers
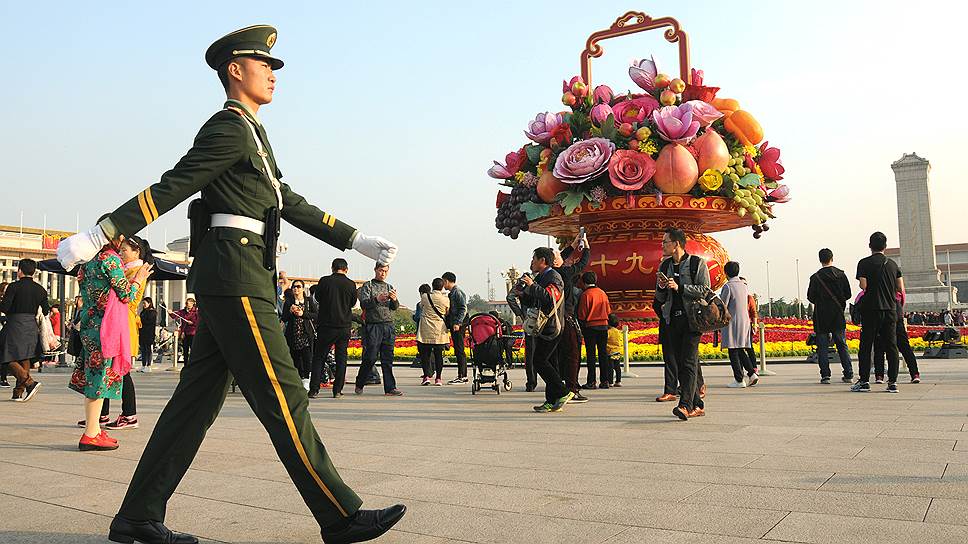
{"points": [[240, 337]]}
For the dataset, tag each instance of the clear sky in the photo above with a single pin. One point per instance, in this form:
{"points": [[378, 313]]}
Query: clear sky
{"points": [[388, 114]]}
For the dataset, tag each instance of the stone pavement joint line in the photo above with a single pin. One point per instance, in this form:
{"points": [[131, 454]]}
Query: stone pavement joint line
{"points": [[789, 460]]}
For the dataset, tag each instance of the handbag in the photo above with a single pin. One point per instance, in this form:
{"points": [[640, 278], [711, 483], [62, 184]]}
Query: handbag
{"points": [[48, 339], [74, 344], [535, 321], [707, 313]]}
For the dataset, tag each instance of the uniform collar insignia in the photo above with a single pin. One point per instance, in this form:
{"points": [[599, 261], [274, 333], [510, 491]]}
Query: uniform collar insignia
{"points": [[236, 104]]}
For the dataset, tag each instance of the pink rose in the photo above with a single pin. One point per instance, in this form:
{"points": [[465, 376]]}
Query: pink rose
{"points": [[630, 170]]}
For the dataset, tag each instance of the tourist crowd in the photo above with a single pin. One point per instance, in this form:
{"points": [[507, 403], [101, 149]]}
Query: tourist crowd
{"points": [[559, 302]]}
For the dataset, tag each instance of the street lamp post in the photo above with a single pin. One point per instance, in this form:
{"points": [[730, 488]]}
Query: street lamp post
{"points": [[768, 295], [799, 302]]}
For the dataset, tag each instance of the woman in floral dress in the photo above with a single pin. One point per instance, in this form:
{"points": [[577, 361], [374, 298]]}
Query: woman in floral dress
{"points": [[93, 377]]}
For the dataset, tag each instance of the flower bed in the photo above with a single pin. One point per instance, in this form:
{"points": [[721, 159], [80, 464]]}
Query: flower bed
{"points": [[784, 338]]}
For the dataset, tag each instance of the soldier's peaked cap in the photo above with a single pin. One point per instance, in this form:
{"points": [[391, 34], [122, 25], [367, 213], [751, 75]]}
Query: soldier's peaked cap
{"points": [[251, 41]]}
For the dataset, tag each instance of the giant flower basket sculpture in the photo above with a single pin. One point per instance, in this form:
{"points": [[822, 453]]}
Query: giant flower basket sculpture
{"points": [[671, 153]]}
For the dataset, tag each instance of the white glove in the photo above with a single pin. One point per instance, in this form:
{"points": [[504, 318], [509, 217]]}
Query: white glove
{"points": [[379, 249], [81, 247]]}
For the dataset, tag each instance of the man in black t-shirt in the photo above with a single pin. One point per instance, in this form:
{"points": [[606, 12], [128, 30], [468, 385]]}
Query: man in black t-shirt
{"points": [[880, 278]]}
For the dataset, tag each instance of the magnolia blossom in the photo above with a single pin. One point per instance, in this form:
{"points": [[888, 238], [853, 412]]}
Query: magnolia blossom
{"points": [[540, 129], [770, 163], [603, 94], [643, 73], [600, 113], [675, 124], [513, 161], [566, 86], [705, 113], [583, 160], [779, 195]]}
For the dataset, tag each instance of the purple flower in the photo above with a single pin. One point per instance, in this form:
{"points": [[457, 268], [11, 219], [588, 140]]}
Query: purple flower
{"points": [[583, 160], [540, 129], [643, 73], [705, 113], [600, 113], [603, 94], [675, 124]]}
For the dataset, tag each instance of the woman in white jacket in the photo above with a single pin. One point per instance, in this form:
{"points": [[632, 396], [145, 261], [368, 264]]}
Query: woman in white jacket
{"points": [[432, 333]]}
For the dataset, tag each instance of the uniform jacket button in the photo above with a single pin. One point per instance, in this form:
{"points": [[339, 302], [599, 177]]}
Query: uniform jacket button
{"points": [[244, 241]]}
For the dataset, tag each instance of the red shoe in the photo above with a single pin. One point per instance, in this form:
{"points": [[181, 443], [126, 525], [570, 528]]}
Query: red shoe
{"points": [[325, 385], [665, 397], [681, 412], [101, 442], [697, 412], [123, 422]]}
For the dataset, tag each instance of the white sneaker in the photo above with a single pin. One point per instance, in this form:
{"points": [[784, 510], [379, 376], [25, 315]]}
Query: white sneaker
{"points": [[736, 385], [306, 384], [753, 379], [146, 369]]}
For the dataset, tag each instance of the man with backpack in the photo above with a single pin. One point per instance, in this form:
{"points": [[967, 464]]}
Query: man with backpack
{"points": [[829, 291], [681, 278], [880, 279], [544, 295]]}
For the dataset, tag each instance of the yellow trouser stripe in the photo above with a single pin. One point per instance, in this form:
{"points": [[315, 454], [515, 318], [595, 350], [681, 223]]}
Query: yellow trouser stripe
{"points": [[151, 203], [284, 406], [326, 217], [144, 208], [332, 221]]}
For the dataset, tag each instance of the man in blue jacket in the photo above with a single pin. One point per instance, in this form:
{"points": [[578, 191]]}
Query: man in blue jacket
{"points": [[455, 321]]}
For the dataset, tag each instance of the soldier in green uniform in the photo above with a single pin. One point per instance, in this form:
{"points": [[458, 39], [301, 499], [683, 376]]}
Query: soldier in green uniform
{"points": [[234, 227]]}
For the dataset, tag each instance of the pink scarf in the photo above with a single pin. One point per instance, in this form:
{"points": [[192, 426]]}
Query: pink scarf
{"points": [[115, 334]]}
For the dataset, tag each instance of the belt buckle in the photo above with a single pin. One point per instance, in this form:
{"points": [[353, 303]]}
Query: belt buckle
{"points": [[677, 313]]}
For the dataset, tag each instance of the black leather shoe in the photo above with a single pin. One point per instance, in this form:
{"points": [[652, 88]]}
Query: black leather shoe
{"points": [[147, 532], [365, 525]]}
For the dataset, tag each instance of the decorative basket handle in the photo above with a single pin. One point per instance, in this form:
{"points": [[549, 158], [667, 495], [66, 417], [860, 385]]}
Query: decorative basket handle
{"points": [[624, 26]]}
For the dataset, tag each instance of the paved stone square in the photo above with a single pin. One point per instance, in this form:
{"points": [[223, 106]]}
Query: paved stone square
{"points": [[788, 460]]}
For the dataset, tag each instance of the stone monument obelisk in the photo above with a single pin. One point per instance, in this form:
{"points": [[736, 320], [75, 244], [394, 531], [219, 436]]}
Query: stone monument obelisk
{"points": [[918, 262]]}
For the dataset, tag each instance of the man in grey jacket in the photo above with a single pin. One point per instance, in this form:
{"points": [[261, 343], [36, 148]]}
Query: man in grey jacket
{"points": [[675, 286], [455, 322], [378, 300]]}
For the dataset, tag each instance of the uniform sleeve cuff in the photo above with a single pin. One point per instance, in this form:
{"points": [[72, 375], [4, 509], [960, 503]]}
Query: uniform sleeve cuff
{"points": [[109, 229]]}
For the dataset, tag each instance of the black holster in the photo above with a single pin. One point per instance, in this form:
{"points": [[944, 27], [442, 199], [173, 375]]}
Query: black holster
{"points": [[271, 238], [200, 221]]}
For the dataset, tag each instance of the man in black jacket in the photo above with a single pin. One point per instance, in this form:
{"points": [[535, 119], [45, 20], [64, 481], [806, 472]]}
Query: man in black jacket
{"points": [[336, 295], [829, 291], [20, 303], [545, 292], [570, 265], [455, 320]]}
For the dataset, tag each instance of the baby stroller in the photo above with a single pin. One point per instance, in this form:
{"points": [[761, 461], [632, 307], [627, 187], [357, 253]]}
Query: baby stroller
{"points": [[487, 354]]}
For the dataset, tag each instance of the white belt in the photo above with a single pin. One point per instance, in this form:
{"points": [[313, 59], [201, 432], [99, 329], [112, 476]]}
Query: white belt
{"points": [[238, 222]]}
